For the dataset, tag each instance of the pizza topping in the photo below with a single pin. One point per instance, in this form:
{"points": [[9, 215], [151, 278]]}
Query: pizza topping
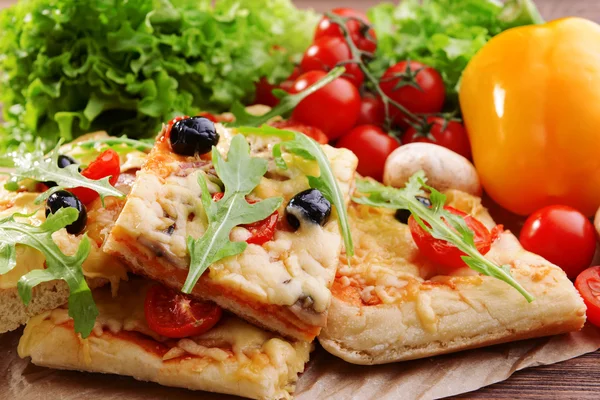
{"points": [[193, 136], [309, 206], [403, 215], [437, 221], [64, 199], [443, 252], [62, 162], [106, 165], [175, 315]]}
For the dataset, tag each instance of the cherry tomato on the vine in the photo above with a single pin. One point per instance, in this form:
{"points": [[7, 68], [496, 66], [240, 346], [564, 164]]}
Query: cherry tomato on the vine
{"points": [[365, 41], [372, 146], [449, 134], [333, 108], [415, 86], [446, 254], [106, 164], [372, 111], [327, 52], [264, 93], [176, 315], [310, 131], [588, 285], [563, 236]]}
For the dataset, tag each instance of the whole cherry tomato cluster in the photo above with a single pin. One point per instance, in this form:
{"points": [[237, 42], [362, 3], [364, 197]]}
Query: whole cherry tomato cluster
{"points": [[369, 116]]}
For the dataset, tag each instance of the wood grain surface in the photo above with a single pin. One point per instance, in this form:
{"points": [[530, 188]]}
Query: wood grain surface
{"points": [[578, 378]]}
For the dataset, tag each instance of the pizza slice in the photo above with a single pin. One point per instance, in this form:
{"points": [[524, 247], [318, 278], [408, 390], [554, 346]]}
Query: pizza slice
{"points": [[98, 268], [281, 279], [233, 357], [395, 304]]}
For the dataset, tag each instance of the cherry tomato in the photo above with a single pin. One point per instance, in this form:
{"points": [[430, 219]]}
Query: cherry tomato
{"points": [[588, 285], [355, 29], [333, 108], [327, 52], [563, 236], [445, 254], [310, 131], [260, 231], [372, 111], [417, 87], [264, 93], [372, 146], [449, 134], [296, 72], [106, 164], [176, 315]]}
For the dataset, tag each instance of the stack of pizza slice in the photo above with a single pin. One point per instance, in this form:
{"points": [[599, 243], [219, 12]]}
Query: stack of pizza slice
{"points": [[239, 253]]}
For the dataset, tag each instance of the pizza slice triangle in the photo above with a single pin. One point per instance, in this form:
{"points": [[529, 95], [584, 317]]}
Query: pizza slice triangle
{"points": [[281, 284], [394, 304], [233, 357]]}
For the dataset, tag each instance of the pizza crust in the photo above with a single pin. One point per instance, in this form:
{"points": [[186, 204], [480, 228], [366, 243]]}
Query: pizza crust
{"points": [[445, 314]]}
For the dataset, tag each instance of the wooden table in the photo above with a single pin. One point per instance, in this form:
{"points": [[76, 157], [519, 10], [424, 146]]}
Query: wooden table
{"points": [[578, 378]]}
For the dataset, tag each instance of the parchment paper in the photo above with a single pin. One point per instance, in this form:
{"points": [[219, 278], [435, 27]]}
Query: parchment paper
{"points": [[326, 377]]}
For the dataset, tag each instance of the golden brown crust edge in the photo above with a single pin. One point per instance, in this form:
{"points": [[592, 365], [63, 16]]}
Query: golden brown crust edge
{"points": [[469, 316]]}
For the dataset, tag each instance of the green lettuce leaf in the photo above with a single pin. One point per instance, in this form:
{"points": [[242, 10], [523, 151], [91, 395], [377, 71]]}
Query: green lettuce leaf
{"points": [[444, 34], [59, 266], [69, 67]]}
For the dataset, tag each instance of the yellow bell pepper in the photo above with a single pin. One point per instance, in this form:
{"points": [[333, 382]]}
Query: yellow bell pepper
{"points": [[530, 99]]}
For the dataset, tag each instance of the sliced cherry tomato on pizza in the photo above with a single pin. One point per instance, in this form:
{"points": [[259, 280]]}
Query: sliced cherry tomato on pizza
{"points": [[311, 131], [445, 254], [365, 41], [106, 164], [261, 231], [176, 315], [588, 285], [563, 236]]}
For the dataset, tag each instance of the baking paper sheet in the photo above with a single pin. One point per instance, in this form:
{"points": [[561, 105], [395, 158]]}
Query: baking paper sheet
{"points": [[326, 377]]}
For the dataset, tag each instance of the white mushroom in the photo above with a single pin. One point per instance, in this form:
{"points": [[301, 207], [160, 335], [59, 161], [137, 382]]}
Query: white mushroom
{"points": [[444, 168]]}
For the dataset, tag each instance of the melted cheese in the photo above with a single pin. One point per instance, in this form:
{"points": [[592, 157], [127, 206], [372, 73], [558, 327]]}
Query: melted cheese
{"points": [[291, 267], [97, 265], [230, 338]]}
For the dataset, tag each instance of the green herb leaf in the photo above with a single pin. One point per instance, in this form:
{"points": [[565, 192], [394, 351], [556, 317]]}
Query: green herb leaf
{"points": [[59, 266], [240, 174], [38, 167], [287, 102], [303, 146], [144, 145], [440, 223]]}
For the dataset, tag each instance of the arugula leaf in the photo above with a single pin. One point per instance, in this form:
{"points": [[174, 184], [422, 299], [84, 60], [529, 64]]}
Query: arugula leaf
{"points": [[240, 174], [38, 167], [287, 102], [144, 145], [59, 266], [305, 147], [440, 223]]}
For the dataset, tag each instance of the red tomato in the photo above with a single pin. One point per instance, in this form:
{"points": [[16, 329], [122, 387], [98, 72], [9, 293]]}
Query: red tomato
{"points": [[445, 254], [372, 111], [176, 315], [106, 164], [296, 72], [563, 236], [355, 29], [310, 131], [588, 285], [261, 231], [264, 93], [327, 52], [333, 109], [372, 146], [453, 137], [400, 83], [215, 117]]}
